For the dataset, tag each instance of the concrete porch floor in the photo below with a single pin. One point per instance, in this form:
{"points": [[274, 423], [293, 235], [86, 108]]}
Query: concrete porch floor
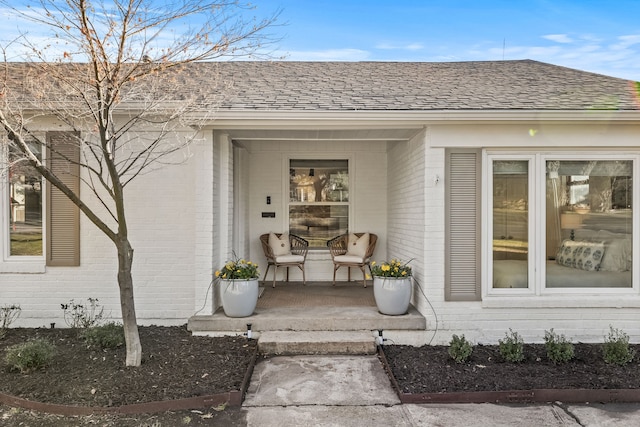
{"points": [[318, 306]]}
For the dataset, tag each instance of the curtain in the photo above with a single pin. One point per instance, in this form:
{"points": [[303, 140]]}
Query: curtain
{"points": [[554, 232]]}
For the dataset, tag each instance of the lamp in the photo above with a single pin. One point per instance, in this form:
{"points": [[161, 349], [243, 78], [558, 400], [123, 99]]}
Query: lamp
{"points": [[570, 221]]}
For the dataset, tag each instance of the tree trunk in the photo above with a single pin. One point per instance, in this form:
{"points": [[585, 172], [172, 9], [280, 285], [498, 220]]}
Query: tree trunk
{"points": [[127, 305]]}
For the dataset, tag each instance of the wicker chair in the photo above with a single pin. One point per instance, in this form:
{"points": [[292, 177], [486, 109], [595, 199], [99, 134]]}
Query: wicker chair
{"points": [[295, 258], [338, 247]]}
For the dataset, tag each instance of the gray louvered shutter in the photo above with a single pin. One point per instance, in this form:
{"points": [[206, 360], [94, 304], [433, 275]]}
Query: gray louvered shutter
{"points": [[63, 217], [462, 268]]}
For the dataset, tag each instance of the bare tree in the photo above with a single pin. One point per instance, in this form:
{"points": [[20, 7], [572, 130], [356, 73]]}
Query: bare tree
{"points": [[111, 73]]}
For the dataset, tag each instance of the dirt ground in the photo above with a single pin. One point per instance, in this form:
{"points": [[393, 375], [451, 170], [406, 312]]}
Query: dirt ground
{"points": [[179, 365], [430, 369], [175, 365]]}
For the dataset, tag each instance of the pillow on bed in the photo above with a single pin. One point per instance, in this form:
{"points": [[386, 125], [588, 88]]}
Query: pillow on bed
{"points": [[617, 256], [581, 255]]}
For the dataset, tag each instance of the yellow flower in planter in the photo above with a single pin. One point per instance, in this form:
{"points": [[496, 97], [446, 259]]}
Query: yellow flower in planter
{"points": [[393, 268], [238, 269]]}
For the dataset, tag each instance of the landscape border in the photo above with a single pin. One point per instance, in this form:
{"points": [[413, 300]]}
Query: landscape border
{"points": [[513, 396], [231, 398]]}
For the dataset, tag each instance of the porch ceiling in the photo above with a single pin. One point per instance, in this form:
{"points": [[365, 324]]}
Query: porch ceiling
{"points": [[322, 134]]}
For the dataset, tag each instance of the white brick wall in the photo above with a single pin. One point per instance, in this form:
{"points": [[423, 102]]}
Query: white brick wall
{"points": [[406, 202], [581, 318], [222, 204], [204, 218], [182, 226], [488, 325], [161, 220]]}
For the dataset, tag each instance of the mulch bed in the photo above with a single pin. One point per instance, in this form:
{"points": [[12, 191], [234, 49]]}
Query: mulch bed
{"points": [[430, 370], [175, 365], [178, 365]]}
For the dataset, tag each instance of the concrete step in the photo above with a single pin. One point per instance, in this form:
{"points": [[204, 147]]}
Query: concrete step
{"points": [[317, 342], [309, 319]]}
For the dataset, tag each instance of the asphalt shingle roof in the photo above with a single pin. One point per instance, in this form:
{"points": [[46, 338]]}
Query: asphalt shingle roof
{"points": [[401, 86], [422, 86]]}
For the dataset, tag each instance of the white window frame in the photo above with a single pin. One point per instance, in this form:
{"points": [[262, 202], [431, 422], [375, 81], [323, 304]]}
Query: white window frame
{"points": [[537, 225], [18, 263], [310, 156], [487, 238]]}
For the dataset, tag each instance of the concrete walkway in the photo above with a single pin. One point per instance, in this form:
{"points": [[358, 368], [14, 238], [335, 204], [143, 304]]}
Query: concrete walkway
{"points": [[355, 391]]}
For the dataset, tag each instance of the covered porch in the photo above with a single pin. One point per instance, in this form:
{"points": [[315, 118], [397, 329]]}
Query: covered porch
{"points": [[317, 306], [320, 184], [380, 169]]}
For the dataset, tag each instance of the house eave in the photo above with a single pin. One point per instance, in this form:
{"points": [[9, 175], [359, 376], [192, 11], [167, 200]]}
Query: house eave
{"points": [[221, 118], [255, 119]]}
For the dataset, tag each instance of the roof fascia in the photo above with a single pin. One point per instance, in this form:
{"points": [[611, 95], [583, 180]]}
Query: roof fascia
{"points": [[403, 119], [283, 119]]}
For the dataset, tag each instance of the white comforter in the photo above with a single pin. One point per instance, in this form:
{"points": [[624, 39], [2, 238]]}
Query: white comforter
{"points": [[513, 274]]}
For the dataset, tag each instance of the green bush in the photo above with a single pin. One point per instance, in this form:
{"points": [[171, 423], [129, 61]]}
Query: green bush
{"points": [[559, 349], [109, 335], [460, 349], [512, 347], [616, 348], [30, 356]]}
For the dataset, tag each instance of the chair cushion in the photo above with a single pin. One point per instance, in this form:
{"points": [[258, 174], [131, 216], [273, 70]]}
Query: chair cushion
{"points": [[358, 246], [279, 245], [289, 258], [350, 259]]}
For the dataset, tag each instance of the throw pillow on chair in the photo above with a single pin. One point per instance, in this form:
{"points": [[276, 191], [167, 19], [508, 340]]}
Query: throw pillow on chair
{"points": [[279, 245], [357, 246]]}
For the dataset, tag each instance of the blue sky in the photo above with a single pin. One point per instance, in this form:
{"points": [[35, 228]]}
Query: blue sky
{"points": [[602, 36]]}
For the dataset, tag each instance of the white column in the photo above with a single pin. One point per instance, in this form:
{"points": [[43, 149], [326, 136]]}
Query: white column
{"points": [[204, 222]]}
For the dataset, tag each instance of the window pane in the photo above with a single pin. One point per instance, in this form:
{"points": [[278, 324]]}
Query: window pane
{"points": [[318, 223], [318, 199], [510, 224], [589, 223], [25, 207], [319, 181]]}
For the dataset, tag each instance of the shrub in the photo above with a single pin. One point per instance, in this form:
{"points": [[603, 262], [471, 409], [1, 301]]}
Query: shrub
{"points": [[82, 316], [109, 335], [512, 347], [8, 313], [30, 356], [616, 348], [559, 349], [460, 349]]}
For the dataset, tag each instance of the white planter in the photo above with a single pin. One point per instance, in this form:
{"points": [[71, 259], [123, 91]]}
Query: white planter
{"points": [[239, 296], [392, 294]]}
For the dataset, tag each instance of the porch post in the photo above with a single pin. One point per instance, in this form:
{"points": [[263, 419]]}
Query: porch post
{"points": [[204, 220], [222, 204]]}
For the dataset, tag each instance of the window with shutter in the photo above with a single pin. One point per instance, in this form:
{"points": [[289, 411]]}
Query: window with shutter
{"points": [[63, 217], [462, 277]]}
